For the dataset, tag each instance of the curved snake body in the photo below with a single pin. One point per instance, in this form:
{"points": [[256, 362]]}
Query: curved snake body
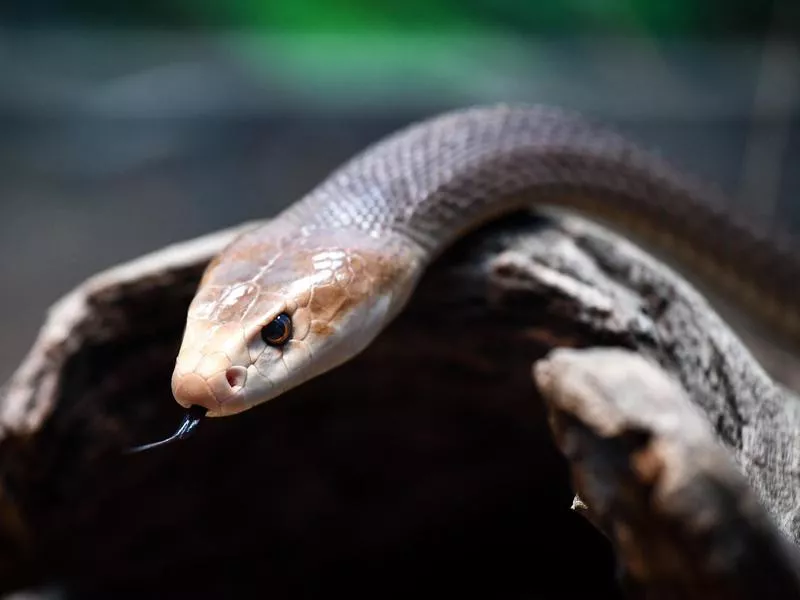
{"points": [[342, 262]]}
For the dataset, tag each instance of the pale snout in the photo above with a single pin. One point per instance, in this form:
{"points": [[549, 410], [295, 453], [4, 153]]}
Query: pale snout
{"points": [[212, 384]]}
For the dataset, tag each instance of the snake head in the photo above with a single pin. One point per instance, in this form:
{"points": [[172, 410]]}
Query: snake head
{"points": [[273, 311]]}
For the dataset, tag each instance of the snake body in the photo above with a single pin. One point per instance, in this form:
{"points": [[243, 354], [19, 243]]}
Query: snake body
{"points": [[312, 287]]}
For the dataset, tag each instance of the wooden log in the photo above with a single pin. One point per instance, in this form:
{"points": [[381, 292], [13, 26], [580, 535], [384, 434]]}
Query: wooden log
{"points": [[652, 475], [428, 456]]}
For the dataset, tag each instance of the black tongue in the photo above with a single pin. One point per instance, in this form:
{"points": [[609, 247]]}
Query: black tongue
{"points": [[189, 423], [191, 420]]}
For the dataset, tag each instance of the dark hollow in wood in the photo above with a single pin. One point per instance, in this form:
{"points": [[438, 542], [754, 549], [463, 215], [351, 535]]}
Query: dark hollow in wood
{"points": [[429, 456]]}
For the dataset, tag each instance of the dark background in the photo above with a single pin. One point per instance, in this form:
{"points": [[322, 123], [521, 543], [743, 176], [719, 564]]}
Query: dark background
{"points": [[125, 126]]}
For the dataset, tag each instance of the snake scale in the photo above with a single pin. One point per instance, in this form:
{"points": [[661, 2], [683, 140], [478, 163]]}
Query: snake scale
{"points": [[311, 288]]}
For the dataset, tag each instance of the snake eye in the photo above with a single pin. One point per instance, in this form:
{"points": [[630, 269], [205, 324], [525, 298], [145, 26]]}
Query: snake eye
{"points": [[278, 331]]}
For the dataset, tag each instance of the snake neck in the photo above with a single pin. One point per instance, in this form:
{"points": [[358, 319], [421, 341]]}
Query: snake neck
{"points": [[436, 180]]}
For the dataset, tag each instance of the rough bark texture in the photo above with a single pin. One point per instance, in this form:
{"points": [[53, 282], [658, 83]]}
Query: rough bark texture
{"points": [[652, 475], [430, 455]]}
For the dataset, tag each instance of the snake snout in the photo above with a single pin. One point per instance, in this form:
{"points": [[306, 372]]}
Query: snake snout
{"points": [[199, 389]]}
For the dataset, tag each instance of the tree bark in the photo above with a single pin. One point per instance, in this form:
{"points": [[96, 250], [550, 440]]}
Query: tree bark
{"points": [[682, 518], [431, 455]]}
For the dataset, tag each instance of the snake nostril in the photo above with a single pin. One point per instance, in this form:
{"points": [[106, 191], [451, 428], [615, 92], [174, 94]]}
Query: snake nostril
{"points": [[236, 377]]}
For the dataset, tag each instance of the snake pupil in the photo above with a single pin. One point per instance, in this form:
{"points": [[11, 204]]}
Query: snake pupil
{"points": [[277, 331]]}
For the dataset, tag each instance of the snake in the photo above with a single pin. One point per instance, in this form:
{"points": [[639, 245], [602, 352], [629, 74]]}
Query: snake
{"points": [[309, 289]]}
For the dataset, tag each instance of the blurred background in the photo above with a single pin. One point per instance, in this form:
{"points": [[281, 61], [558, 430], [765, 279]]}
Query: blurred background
{"points": [[128, 125]]}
